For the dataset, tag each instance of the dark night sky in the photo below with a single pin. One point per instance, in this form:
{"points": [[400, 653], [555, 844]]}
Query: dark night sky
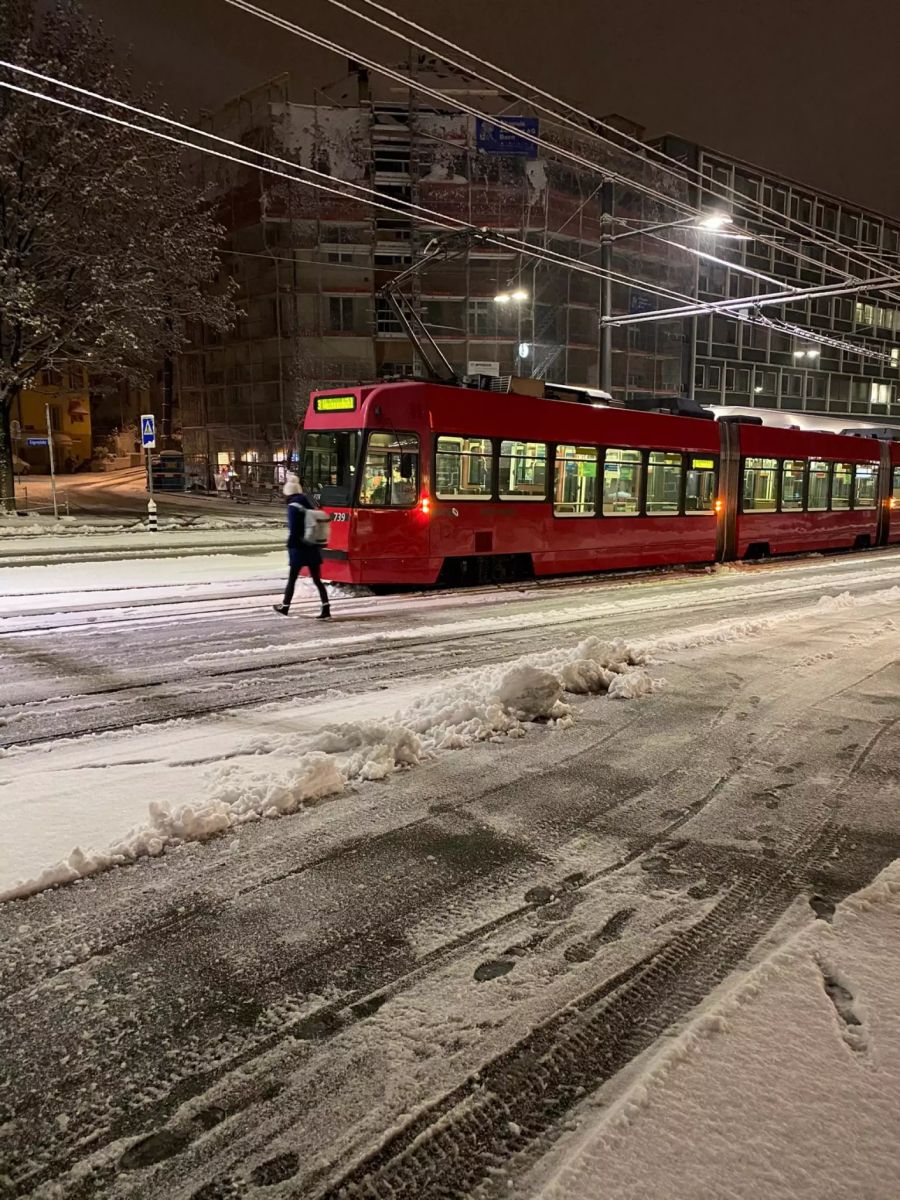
{"points": [[806, 87]]}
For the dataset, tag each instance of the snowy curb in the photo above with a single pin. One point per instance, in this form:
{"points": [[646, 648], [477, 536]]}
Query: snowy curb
{"points": [[489, 704]]}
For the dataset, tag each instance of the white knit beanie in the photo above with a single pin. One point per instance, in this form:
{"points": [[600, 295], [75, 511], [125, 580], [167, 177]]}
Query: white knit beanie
{"points": [[291, 486]]}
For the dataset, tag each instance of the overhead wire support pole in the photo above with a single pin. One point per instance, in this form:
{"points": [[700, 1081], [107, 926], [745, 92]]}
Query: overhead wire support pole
{"points": [[606, 252]]}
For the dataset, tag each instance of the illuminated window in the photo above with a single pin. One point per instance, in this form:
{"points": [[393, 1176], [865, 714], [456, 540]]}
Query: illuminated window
{"points": [[760, 484], [523, 470], [864, 485], [663, 484], [817, 501], [841, 482], [792, 472], [700, 485], [463, 468], [622, 483], [390, 477], [575, 481]]}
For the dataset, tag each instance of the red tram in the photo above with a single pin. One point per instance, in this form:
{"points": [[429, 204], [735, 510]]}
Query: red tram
{"points": [[431, 483]]}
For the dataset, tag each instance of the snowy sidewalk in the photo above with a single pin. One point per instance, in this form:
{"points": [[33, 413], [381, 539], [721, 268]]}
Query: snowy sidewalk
{"points": [[785, 1088], [30, 545]]}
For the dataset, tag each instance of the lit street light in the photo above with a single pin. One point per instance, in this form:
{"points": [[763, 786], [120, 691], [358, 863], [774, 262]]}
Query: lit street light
{"points": [[718, 224], [517, 297]]}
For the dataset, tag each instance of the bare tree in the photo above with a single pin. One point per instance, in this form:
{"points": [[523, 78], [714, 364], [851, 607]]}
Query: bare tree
{"points": [[107, 249]]}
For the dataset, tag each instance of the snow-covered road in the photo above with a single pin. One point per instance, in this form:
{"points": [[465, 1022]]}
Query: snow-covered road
{"points": [[509, 890]]}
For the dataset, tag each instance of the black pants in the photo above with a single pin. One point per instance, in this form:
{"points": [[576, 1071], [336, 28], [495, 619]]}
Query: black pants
{"points": [[315, 574]]}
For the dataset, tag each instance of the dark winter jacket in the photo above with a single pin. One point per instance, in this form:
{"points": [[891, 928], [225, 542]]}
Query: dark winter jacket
{"points": [[300, 553]]}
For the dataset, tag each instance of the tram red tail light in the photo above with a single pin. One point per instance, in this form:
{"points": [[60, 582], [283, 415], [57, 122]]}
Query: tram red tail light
{"points": [[718, 506], [425, 505]]}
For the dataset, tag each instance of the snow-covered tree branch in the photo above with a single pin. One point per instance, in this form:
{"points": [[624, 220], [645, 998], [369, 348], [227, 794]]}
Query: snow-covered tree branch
{"points": [[107, 248]]}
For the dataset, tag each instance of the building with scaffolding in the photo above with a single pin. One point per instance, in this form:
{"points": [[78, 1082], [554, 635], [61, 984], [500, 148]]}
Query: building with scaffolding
{"points": [[310, 263]]}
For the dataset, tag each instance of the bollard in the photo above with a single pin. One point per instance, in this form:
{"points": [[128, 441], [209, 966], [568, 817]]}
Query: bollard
{"points": [[151, 517]]}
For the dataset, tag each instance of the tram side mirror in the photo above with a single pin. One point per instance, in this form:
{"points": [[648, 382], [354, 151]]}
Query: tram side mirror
{"points": [[406, 466]]}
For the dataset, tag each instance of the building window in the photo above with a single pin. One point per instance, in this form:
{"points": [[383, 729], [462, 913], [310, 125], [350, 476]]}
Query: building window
{"points": [[815, 387], [880, 393], [340, 313], [482, 318], [385, 317]]}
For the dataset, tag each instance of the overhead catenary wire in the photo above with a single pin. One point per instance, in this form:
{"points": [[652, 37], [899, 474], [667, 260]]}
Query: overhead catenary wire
{"points": [[360, 192], [449, 101], [677, 169], [436, 94], [690, 308]]}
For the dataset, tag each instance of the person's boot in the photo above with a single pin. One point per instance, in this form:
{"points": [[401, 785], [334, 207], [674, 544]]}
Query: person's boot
{"points": [[325, 613], [281, 608]]}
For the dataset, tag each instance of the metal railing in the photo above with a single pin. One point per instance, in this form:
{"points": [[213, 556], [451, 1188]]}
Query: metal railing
{"points": [[240, 481]]}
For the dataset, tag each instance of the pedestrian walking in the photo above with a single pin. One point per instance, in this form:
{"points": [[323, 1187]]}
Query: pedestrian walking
{"points": [[301, 553]]}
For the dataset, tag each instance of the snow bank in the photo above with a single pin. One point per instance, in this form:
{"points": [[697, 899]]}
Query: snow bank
{"points": [[491, 703], [787, 1087], [68, 526]]}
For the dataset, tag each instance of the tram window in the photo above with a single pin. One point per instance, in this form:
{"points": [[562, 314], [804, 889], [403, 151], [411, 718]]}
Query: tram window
{"points": [[523, 471], [622, 483], [760, 484], [817, 500], [327, 464], [663, 484], [864, 485], [575, 481], [895, 489], [463, 468], [700, 486], [841, 477], [390, 477], [792, 470]]}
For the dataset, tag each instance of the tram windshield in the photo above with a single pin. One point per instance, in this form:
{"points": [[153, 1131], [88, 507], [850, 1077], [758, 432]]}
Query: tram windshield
{"points": [[328, 465]]}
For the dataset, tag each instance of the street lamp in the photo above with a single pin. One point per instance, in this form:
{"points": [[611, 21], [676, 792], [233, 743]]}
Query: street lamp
{"points": [[519, 296], [715, 223], [715, 220]]}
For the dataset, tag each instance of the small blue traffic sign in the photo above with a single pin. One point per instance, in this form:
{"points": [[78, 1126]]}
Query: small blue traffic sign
{"points": [[148, 431]]}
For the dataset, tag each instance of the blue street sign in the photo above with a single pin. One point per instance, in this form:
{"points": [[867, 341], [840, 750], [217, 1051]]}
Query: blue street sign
{"points": [[641, 302], [495, 140], [148, 431], [36, 441]]}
